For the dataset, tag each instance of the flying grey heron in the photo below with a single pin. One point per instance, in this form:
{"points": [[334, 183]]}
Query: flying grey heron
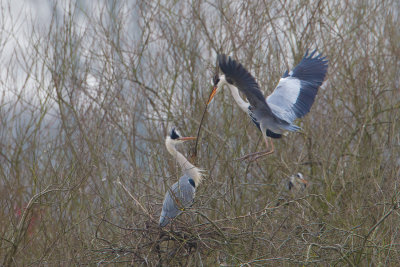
{"points": [[181, 194], [291, 99]]}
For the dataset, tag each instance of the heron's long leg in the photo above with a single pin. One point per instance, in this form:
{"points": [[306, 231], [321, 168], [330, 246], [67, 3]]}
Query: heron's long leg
{"points": [[267, 152], [257, 155]]}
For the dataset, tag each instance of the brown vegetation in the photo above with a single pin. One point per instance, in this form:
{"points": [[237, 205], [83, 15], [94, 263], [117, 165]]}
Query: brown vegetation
{"points": [[89, 97]]}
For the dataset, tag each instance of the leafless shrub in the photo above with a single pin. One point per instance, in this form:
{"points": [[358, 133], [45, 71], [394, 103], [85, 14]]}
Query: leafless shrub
{"points": [[90, 91]]}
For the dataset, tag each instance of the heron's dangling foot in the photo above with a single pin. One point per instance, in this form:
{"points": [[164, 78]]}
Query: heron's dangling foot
{"points": [[257, 155]]}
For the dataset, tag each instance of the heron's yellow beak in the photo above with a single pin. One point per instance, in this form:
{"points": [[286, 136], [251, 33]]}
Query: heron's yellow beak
{"points": [[187, 138], [214, 91]]}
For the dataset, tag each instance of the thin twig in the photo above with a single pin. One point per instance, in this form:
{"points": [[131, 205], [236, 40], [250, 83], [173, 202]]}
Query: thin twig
{"points": [[137, 202]]}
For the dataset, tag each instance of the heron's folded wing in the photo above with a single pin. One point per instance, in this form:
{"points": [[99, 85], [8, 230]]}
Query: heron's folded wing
{"points": [[296, 90], [186, 191], [180, 196], [169, 210]]}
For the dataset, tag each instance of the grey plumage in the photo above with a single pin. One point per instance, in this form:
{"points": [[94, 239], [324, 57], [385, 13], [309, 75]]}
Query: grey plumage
{"points": [[179, 196], [237, 75], [297, 89], [296, 183], [291, 99]]}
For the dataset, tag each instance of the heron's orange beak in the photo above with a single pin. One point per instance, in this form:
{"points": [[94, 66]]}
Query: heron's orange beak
{"points": [[304, 181], [214, 91], [187, 138]]}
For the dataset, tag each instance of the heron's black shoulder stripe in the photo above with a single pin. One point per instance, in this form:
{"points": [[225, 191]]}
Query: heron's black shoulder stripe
{"points": [[174, 135], [268, 132], [290, 185], [192, 183], [273, 135]]}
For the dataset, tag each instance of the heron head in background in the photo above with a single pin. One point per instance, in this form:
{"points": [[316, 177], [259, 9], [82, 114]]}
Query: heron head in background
{"points": [[297, 181]]}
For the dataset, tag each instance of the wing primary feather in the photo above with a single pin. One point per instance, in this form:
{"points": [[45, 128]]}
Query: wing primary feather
{"points": [[295, 93], [236, 74]]}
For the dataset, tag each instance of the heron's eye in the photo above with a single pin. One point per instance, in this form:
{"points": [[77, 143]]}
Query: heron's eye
{"points": [[216, 79]]}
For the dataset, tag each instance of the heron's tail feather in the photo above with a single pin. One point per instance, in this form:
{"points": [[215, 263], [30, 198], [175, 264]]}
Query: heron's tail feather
{"points": [[292, 128], [164, 220]]}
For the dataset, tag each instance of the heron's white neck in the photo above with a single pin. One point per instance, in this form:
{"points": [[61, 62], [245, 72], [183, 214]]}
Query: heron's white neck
{"points": [[235, 93], [187, 167]]}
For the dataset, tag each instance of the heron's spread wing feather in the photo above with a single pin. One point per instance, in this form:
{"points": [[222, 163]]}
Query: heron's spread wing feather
{"points": [[236, 74], [180, 196], [296, 91]]}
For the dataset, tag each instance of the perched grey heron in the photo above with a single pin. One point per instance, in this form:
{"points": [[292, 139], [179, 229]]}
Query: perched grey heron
{"points": [[296, 182], [181, 194], [291, 99], [293, 186]]}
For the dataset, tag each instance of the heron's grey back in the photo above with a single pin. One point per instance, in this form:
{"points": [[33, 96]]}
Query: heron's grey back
{"points": [[179, 196], [259, 110]]}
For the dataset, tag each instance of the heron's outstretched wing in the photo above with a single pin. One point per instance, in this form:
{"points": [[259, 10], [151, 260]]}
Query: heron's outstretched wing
{"points": [[296, 90], [180, 196], [237, 75]]}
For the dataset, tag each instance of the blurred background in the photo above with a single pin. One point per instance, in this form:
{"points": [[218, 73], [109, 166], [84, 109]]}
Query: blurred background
{"points": [[90, 89]]}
